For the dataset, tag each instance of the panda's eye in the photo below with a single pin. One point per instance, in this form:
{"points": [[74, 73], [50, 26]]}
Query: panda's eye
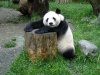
{"points": [[47, 19], [54, 19]]}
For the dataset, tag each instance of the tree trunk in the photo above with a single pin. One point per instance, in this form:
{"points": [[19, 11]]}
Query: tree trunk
{"points": [[63, 1], [25, 7], [37, 6], [40, 6], [41, 45], [95, 6]]}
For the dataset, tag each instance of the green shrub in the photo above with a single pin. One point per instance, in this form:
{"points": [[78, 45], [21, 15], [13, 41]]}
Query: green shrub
{"points": [[8, 4], [9, 44], [13, 39]]}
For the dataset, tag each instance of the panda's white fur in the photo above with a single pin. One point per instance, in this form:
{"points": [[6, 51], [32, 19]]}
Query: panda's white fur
{"points": [[54, 22], [50, 15], [65, 42]]}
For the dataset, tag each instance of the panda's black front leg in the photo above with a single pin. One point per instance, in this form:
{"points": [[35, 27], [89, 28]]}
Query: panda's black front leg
{"points": [[42, 30], [34, 25]]}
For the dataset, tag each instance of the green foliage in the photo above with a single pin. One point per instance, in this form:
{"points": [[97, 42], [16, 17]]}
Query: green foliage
{"points": [[57, 66], [14, 21], [23, 66], [35, 16], [8, 4], [13, 39], [81, 65], [9, 44], [73, 10]]}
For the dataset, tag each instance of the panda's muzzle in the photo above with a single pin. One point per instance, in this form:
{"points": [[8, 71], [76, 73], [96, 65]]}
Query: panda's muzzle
{"points": [[51, 24]]}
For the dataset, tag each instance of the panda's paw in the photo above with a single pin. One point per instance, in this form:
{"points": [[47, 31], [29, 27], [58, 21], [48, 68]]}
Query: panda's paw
{"points": [[28, 30], [69, 54], [40, 32]]}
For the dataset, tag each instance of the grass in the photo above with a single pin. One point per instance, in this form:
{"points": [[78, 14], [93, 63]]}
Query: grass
{"points": [[58, 66], [40, 67], [81, 65], [9, 44], [8, 4]]}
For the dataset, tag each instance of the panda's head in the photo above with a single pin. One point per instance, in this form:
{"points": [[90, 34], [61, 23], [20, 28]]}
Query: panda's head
{"points": [[53, 19]]}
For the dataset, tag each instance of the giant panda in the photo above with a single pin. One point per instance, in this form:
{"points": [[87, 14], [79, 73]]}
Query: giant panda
{"points": [[55, 22]]}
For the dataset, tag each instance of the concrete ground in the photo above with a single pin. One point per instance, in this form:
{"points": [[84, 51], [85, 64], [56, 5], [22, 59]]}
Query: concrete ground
{"points": [[7, 32]]}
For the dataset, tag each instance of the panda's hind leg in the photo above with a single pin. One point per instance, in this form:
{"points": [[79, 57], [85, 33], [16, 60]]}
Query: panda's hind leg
{"points": [[69, 54]]}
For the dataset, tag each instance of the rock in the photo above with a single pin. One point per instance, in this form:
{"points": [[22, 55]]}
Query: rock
{"points": [[87, 47]]}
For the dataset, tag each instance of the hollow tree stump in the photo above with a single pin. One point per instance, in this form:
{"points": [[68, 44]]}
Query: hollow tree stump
{"points": [[41, 45]]}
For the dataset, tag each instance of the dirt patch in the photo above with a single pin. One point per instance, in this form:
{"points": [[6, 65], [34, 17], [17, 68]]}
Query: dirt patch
{"points": [[8, 14], [7, 32]]}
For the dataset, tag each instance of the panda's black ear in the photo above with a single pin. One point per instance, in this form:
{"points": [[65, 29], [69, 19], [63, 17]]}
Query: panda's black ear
{"points": [[58, 11]]}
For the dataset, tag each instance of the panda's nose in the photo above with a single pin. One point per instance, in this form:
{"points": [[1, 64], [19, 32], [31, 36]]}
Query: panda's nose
{"points": [[50, 23]]}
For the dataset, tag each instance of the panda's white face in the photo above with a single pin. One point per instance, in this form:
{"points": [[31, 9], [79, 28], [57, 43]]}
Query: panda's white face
{"points": [[52, 19]]}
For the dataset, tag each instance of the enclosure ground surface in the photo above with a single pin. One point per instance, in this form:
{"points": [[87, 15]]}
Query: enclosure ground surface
{"points": [[10, 29], [7, 32]]}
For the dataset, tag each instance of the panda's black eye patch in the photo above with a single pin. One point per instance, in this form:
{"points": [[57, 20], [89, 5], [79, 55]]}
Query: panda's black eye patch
{"points": [[54, 19], [47, 19]]}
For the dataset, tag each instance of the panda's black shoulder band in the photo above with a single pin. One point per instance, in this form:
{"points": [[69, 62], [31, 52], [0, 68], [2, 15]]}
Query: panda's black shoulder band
{"points": [[58, 11]]}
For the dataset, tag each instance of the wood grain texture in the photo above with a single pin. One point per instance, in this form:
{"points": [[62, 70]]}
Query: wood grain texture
{"points": [[41, 45]]}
